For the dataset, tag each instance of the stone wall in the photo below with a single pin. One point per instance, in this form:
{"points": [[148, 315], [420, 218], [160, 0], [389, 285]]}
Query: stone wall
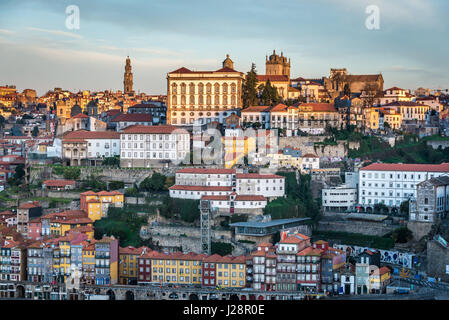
{"points": [[437, 260], [419, 229], [307, 145], [367, 228]]}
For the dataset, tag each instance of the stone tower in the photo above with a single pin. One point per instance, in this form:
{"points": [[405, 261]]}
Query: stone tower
{"points": [[128, 78], [277, 65], [228, 63]]}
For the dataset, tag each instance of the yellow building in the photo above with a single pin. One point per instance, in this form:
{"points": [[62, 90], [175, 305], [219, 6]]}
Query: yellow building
{"points": [[96, 205], [379, 279], [231, 272], [390, 116], [62, 222], [372, 118], [128, 264], [176, 267]]}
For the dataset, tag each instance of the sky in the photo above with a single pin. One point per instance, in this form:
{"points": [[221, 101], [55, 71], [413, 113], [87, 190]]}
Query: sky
{"points": [[37, 50]]}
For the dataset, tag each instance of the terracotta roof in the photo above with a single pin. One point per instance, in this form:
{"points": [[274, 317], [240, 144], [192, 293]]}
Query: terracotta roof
{"points": [[403, 104], [279, 108], [256, 109], [309, 251], [257, 176], [317, 107], [58, 183], [133, 117], [80, 116], [162, 129], [215, 198], [200, 188], [250, 198], [310, 155], [131, 250], [84, 134], [206, 171], [295, 238], [272, 78], [443, 167], [29, 205]]}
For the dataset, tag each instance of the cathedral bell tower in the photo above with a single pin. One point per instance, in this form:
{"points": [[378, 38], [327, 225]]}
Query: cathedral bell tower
{"points": [[128, 78]]}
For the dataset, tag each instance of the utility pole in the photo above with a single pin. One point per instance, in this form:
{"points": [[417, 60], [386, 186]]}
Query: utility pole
{"points": [[205, 226]]}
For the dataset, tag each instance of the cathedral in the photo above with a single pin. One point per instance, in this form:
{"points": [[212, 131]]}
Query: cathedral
{"points": [[128, 78], [277, 65]]}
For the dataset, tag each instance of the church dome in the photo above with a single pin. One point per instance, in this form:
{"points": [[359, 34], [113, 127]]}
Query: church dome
{"points": [[76, 109]]}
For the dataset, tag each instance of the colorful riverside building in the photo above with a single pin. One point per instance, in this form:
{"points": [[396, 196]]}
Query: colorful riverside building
{"points": [[96, 204], [225, 272], [179, 268], [106, 261], [129, 263], [88, 254]]}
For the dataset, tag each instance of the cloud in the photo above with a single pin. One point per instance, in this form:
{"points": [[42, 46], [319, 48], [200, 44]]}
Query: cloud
{"points": [[7, 32], [56, 32]]}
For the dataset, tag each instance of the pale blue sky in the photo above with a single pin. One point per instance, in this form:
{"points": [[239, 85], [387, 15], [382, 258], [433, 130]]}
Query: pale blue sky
{"points": [[38, 51]]}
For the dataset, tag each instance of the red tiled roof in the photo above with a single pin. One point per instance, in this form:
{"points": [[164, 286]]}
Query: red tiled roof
{"points": [[162, 129], [250, 198], [318, 107], [133, 117], [215, 198], [295, 238], [206, 171], [256, 109], [279, 108], [257, 176], [310, 155], [443, 167], [84, 134], [29, 205], [58, 183], [272, 78], [200, 188], [80, 116]]}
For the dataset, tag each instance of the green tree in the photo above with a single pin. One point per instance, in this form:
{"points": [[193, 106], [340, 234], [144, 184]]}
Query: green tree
{"points": [[71, 173], [112, 161], [402, 235], [114, 185], [154, 183], [249, 90], [269, 96], [221, 248]]}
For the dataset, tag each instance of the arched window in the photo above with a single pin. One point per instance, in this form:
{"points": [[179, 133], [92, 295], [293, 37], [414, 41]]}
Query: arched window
{"points": [[233, 88], [192, 99], [173, 100], [183, 88], [225, 99], [233, 100], [174, 88], [201, 100], [183, 100], [216, 88], [192, 88], [217, 100], [208, 100], [225, 88], [201, 88], [208, 88]]}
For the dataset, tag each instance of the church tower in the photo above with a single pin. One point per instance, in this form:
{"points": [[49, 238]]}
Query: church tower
{"points": [[277, 65], [128, 78], [228, 63]]}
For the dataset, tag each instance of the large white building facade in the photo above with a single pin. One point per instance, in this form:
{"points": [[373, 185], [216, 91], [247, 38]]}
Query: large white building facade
{"points": [[339, 199], [391, 184], [201, 97], [144, 146]]}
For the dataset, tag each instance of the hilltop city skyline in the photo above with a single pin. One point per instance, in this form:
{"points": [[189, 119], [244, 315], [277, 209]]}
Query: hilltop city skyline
{"points": [[39, 52]]}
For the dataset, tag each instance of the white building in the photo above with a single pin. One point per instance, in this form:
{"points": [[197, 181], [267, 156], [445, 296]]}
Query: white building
{"points": [[395, 94], [339, 199], [142, 146], [310, 162], [227, 190], [391, 184], [257, 114], [130, 119]]}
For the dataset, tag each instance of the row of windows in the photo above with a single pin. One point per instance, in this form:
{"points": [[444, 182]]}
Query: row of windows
{"points": [[192, 88], [224, 100]]}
